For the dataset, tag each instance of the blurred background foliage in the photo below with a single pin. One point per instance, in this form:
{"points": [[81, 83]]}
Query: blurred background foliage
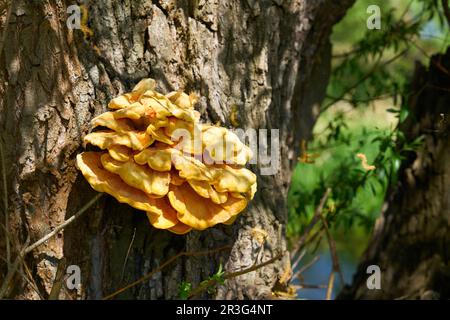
{"points": [[366, 100]]}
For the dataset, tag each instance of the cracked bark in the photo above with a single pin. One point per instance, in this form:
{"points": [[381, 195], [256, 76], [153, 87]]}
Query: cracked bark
{"points": [[269, 58]]}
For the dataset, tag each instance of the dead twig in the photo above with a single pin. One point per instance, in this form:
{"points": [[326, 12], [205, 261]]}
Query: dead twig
{"points": [[299, 258], [375, 67], [11, 272], [305, 267], [28, 248], [29, 278], [128, 254], [330, 286], [313, 222], [335, 268], [253, 268], [62, 225], [162, 266], [59, 278], [5, 206], [309, 286], [333, 251]]}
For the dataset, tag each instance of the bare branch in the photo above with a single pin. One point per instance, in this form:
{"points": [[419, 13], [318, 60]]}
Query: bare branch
{"points": [[165, 264], [5, 206], [59, 277], [330, 285], [364, 78], [333, 251], [63, 225], [28, 248], [128, 254], [313, 222], [299, 258], [305, 267], [11, 272]]}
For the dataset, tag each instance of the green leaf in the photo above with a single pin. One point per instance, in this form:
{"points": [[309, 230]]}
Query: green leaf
{"points": [[218, 276], [397, 164], [184, 290], [392, 110], [404, 113]]}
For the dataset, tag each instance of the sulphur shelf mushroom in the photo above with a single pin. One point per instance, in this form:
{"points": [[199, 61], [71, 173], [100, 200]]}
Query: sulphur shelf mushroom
{"points": [[144, 163]]}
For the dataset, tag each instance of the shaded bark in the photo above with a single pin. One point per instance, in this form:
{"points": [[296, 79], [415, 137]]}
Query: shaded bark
{"points": [[271, 59], [411, 242]]}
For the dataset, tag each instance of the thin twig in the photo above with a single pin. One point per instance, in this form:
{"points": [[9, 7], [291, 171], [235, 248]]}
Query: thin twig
{"points": [[346, 54], [58, 281], [356, 50], [334, 257], [305, 267], [10, 274], [299, 258], [309, 286], [313, 222], [330, 285], [5, 206], [366, 100], [333, 251], [253, 268], [231, 275], [364, 78], [29, 278], [28, 248], [162, 266], [408, 6], [423, 51], [128, 254], [63, 225]]}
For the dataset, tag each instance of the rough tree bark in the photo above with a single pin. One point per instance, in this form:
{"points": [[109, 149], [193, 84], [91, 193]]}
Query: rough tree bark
{"points": [[269, 58], [411, 242]]}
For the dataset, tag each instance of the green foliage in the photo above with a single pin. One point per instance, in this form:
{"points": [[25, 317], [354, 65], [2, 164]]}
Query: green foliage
{"points": [[357, 194], [376, 65], [379, 63], [209, 284], [184, 290]]}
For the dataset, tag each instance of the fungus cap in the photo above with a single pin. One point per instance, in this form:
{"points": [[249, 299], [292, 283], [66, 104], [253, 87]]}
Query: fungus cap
{"points": [[193, 180]]}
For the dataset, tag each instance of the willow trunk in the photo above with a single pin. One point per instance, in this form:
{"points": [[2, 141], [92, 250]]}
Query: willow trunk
{"points": [[265, 64]]}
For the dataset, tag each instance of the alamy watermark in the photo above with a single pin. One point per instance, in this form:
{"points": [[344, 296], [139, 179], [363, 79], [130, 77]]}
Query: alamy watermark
{"points": [[374, 280], [263, 144], [74, 19], [374, 20], [73, 280]]}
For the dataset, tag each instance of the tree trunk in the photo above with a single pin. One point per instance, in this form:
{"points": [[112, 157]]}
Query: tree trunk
{"points": [[271, 59], [411, 242]]}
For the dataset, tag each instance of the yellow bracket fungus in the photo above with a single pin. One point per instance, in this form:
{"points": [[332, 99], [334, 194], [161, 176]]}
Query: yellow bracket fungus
{"points": [[181, 184]]}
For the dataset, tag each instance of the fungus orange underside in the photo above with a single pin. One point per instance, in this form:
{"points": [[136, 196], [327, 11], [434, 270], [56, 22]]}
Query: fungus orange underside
{"points": [[145, 163]]}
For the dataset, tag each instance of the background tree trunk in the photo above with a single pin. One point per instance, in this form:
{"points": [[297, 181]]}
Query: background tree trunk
{"points": [[411, 241], [269, 58]]}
